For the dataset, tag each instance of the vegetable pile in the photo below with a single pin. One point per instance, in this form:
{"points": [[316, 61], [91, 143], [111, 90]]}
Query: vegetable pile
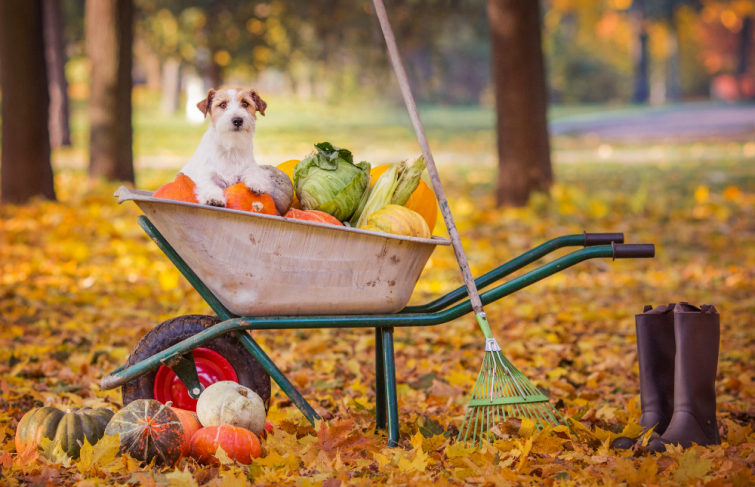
{"points": [[327, 187]]}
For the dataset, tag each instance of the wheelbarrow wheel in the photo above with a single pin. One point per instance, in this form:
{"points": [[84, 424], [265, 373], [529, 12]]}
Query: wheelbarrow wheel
{"points": [[224, 358]]}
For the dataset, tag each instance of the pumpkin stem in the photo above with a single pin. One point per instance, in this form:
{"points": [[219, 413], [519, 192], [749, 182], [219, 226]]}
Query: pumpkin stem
{"points": [[243, 392]]}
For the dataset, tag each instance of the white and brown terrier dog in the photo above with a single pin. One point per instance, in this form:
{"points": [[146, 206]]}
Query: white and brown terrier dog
{"points": [[225, 155]]}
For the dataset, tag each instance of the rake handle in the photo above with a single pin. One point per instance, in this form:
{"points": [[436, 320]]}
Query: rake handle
{"points": [[411, 107]]}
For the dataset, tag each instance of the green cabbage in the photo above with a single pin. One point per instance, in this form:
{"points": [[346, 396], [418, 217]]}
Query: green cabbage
{"points": [[329, 181]]}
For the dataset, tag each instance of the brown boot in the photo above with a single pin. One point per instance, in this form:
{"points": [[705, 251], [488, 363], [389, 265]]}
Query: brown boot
{"points": [[698, 332], [655, 350]]}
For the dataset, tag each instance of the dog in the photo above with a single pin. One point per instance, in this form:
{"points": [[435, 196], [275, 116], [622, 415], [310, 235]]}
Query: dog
{"points": [[225, 156]]}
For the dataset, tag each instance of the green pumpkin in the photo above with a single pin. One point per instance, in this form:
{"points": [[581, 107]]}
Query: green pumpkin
{"points": [[68, 429]]}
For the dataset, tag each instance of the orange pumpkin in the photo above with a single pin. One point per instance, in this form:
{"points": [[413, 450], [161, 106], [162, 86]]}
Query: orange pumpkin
{"points": [[239, 197], [422, 199], [238, 443], [182, 189], [312, 216], [191, 425], [288, 168]]}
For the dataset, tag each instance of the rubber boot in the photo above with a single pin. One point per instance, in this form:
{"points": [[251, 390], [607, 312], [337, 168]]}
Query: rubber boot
{"points": [[698, 332], [655, 351]]}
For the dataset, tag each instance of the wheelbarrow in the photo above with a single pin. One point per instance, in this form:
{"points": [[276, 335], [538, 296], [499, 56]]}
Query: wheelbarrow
{"points": [[262, 272]]}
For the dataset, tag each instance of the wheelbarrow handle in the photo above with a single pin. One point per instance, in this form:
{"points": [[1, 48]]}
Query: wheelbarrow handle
{"points": [[592, 239], [633, 251]]}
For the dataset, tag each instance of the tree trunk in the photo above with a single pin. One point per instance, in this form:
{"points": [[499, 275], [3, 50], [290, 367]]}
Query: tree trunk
{"points": [[109, 32], [673, 63], [171, 81], [745, 42], [641, 91], [60, 131], [524, 163], [25, 169]]}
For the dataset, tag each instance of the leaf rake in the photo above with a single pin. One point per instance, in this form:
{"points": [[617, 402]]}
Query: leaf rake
{"points": [[502, 392]]}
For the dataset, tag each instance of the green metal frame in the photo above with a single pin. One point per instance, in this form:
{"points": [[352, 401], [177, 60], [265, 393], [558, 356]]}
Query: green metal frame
{"points": [[431, 314]]}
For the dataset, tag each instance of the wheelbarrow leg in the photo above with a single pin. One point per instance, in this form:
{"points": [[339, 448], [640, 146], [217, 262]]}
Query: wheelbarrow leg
{"points": [[389, 368], [379, 380]]}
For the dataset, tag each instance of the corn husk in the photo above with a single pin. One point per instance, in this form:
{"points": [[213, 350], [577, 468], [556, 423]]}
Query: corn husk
{"points": [[397, 220], [380, 195], [395, 186]]}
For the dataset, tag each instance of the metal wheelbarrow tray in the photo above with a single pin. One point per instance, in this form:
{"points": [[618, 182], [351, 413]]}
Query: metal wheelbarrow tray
{"points": [[263, 265]]}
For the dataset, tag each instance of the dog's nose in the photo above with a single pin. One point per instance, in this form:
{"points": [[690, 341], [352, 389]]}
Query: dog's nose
{"points": [[237, 122]]}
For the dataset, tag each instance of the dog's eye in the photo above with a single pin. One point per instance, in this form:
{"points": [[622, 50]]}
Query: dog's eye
{"points": [[223, 105], [244, 104]]}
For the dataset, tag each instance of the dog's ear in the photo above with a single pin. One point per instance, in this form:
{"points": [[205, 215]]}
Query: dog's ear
{"points": [[206, 104], [259, 103]]}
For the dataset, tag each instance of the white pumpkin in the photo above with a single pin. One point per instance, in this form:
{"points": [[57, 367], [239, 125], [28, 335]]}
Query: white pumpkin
{"points": [[227, 402]]}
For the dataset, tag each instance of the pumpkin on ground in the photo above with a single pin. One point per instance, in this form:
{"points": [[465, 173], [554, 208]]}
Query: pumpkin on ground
{"points": [[239, 197], [422, 200], [190, 424], [312, 216], [239, 444], [182, 189], [397, 220], [227, 402], [288, 168], [148, 431], [67, 429]]}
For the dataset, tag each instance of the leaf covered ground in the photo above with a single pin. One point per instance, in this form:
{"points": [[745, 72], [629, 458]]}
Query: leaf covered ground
{"points": [[80, 283]]}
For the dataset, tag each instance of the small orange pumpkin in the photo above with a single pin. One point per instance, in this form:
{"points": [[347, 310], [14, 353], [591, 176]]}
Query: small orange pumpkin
{"points": [[238, 443], [422, 199], [182, 189], [191, 425], [239, 197], [288, 168], [312, 216]]}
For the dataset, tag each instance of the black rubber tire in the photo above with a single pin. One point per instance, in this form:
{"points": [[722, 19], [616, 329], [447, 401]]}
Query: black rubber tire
{"points": [[250, 373]]}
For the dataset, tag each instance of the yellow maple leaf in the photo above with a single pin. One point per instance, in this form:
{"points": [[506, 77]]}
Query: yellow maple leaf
{"points": [[381, 459], [735, 434], [223, 457], [432, 444], [632, 430], [419, 463], [525, 449], [527, 428], [458, 450], [102, 453], [275, 459], [691, 466], [233, 478], [181, 478]]}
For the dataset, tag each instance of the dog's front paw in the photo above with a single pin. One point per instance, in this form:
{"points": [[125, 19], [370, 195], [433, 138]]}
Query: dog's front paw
{"points": [[258, 185], [218, 203], [212, 197]]}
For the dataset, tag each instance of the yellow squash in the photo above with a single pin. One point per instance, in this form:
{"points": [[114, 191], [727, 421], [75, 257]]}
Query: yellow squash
{"points": [[397, 220]]}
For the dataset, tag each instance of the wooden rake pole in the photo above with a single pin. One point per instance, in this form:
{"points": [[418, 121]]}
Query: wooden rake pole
{"points": [[411, 106]]}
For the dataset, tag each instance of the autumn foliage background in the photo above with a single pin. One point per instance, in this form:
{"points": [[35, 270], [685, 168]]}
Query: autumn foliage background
{"points": [[80, 282]]}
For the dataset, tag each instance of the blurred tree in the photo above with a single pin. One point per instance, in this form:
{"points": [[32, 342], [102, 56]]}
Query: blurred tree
{"points": [[524, 163], [25, 169], [60, 131], [641, 91], [109, 33]]}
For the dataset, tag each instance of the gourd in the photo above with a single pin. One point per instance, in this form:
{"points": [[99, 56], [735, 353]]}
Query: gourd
{"points": [[148, 431], [312, 216], [239, 444], [66, 429], [397, 220], [182, 189], [422, 200], [227, 402], [190, 424], [281, 188], [240, 197]]}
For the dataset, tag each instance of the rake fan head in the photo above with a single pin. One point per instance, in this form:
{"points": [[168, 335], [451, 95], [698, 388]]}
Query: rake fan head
{"points": [[502, 392]]}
